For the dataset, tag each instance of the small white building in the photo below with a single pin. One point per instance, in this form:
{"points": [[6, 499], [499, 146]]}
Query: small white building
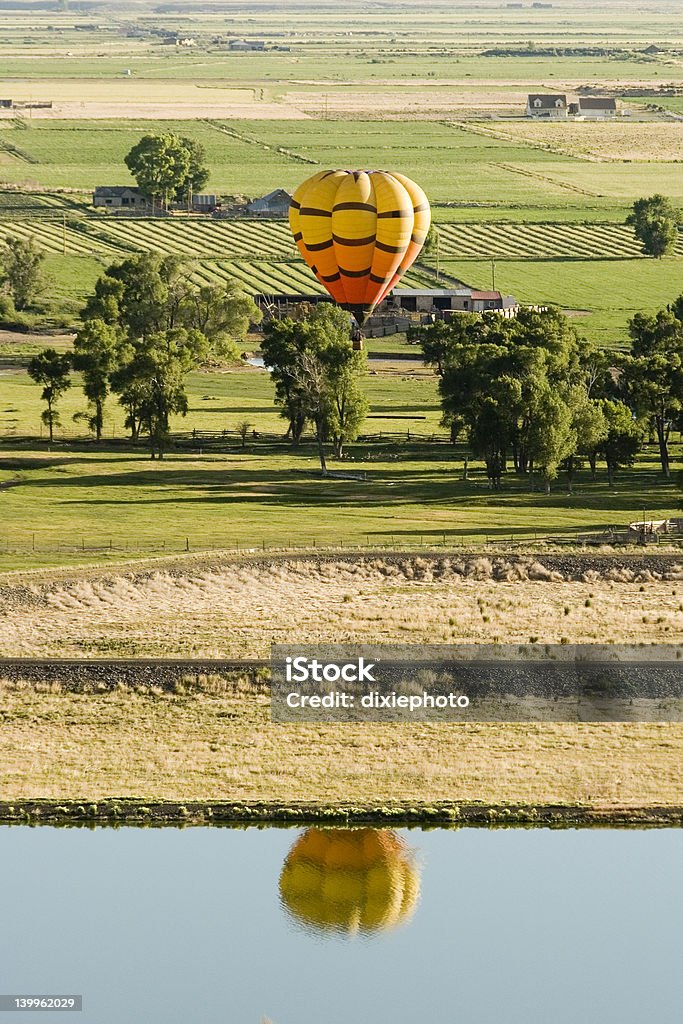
{"points": [[553, 107], [594, 108]]}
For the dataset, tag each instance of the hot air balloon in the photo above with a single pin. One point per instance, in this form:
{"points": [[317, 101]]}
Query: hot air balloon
{"points": [[359, 232], [350, 880]]}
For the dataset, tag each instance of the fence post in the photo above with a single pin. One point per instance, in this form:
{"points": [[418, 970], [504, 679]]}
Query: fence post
{"points": [[187, 543]]}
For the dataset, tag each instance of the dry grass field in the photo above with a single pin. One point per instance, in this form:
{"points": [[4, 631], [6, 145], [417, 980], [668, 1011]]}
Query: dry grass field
{"points": [[160, 746], [218, 743], [620, 140]]}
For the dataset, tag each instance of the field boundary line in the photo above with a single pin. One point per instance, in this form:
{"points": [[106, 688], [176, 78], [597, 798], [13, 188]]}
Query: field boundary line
{"points": [[541, 147], [233, 133], [525, 172]]}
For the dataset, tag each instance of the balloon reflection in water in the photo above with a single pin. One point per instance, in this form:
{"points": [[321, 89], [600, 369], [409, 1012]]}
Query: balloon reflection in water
{"points": [[350, 880]]}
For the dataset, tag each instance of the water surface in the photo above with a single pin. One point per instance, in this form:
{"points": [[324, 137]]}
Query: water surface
{"points": [[180, 926]]}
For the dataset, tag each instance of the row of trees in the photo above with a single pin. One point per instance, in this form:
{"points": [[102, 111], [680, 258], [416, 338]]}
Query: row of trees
{"points": [[143, 329], [531, 396]]}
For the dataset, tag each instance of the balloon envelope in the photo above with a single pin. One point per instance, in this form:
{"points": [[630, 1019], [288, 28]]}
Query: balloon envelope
{"points": [[359, 231]]}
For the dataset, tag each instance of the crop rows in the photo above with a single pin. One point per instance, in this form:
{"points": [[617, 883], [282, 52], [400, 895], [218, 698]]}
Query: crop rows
{"points": [[36, 204], [54, 237], [209, 238], [539, 241], [271, 240], [270, 277]]}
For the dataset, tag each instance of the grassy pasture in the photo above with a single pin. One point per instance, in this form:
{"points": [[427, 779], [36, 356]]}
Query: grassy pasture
{"points": [[608, 291], [620, 140], [77, 497], [73, 503]]}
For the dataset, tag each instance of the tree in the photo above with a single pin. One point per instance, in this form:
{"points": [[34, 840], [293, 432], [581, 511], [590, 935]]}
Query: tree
{"points": [[512, 384], [553, 436], [623, 438], [164, 326], [653, 374], [51, 369], [317, 376], [167, 166], [21, 272], [281, 345], [655, 223], [96, 348], [198, 173], [150, 382], [590, 427]]}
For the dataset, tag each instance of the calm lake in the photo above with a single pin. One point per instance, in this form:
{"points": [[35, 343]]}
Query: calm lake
{"points": [[210, 926]]}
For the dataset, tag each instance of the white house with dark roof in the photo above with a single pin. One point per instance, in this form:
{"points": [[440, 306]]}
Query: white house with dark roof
{"points": [[594, 108], [551, 106]]}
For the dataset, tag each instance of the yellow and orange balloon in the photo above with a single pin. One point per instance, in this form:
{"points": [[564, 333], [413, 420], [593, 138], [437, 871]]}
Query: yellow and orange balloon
{"points": [[359, 231], [350, 880]]}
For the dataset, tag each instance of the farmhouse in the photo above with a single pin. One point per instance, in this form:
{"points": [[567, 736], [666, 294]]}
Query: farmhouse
{"points": [[449, 300], [247, 45], [118, 196], [595, 108], [546, 106], [275, 204]]}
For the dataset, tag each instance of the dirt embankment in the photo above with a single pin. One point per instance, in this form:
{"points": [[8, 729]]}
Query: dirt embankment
{"points": [[213, 607]]}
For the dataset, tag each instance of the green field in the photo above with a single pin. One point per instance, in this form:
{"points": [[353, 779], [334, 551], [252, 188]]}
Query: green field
{"points": [[75, 496], [453, 164]]}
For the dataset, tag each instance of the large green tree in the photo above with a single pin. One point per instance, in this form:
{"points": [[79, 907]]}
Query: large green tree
{"points": [[512, 385], [51, 369], [623, 437], [655, 222], [652, 375], [167, 166]]}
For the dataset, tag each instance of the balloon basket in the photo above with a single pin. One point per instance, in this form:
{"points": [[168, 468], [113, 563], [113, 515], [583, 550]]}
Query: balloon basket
{"points": [[357, 344]]}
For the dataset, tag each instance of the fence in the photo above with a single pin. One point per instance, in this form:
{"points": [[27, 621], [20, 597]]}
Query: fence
{"points": [[229, 436], [41, 543]]}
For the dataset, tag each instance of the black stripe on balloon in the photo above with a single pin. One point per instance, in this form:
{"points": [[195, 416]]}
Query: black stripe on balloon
{"points": [[395, 213], [298, 236], [332, 277], [355, 206], [294, 205], [390, 248], [354, 241], [354, 273], [421, 209], [376, 279], [318, 246], [310, 211]]}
